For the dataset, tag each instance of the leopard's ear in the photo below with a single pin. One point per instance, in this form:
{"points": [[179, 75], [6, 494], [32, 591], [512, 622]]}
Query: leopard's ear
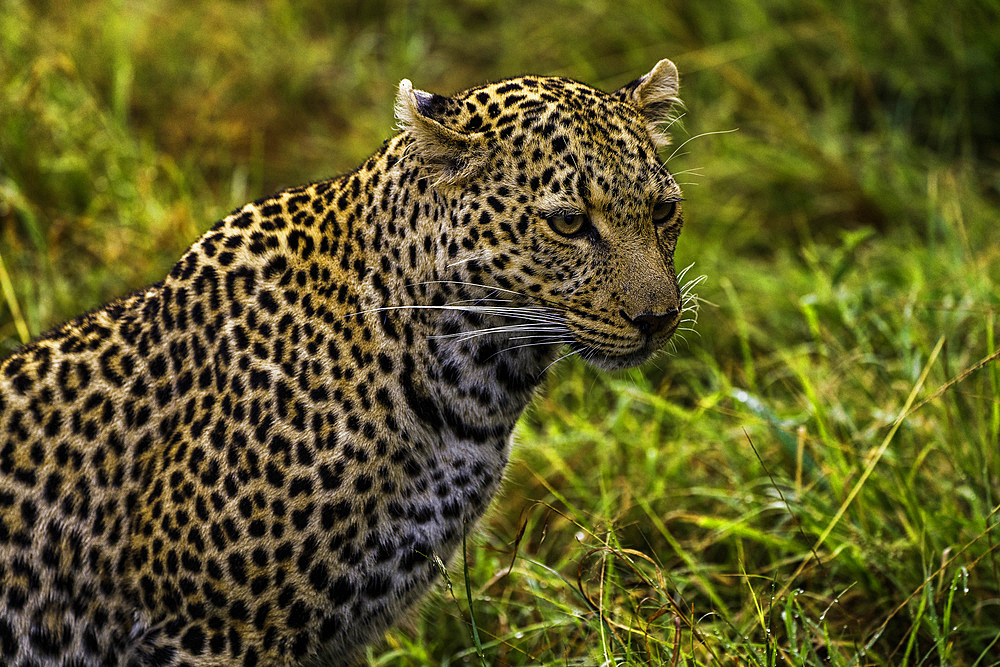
{"points": [[453, 155], [654, 94]]}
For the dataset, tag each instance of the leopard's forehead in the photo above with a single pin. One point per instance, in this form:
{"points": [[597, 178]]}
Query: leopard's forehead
{"points": [[568, 127], [531, 102]]}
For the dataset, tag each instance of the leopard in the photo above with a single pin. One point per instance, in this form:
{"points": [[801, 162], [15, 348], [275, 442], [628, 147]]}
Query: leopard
{"points": [[264, 458]]}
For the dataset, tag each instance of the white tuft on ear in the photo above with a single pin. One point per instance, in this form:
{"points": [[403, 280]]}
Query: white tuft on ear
{"points": [[655, 95], [452, 154], [406, 102]]}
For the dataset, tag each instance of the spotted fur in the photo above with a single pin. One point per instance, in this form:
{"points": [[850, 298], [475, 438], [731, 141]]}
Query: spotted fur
{"points": [[257, 460]]}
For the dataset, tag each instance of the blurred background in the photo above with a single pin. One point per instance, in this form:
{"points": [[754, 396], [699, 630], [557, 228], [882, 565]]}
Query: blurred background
{"points": [[812, 478]]}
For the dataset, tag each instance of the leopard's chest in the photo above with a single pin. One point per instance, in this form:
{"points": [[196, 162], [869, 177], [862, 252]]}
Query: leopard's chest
{"points": [[417, 488]]}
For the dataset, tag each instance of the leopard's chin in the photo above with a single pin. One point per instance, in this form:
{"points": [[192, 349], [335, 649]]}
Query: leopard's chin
{"points": [[608, 360]]}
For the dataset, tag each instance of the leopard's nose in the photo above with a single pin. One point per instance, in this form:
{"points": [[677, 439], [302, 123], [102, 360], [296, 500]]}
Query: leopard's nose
{"points": [[654, 323]]}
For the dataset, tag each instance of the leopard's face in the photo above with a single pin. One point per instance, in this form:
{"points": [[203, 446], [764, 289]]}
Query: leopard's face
{"points": [[569, 213]]}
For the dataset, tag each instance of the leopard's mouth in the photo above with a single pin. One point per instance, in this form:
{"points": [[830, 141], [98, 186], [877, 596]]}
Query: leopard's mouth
{"points": [[614, 355]]}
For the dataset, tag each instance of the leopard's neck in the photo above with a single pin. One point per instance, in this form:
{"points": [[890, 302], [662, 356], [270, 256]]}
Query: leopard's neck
{"points": [[403, 274]]}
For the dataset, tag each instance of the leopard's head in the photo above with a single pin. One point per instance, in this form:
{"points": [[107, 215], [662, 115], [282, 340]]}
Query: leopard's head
{"points": [[558, 200]]}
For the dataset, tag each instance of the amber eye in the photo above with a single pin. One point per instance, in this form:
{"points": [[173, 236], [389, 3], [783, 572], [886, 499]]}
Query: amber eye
{"points": [[664, 212], [569, 225]]}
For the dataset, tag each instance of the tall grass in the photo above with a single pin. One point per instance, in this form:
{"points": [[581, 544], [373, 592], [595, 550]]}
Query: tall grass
{"points": [[812, 479]]}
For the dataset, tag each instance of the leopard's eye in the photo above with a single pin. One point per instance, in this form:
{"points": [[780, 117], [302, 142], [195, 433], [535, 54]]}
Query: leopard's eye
{"points": [[664, 212], [569, 225]]}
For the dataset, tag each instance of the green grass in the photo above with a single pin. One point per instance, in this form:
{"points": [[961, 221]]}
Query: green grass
{"points": [[814, 478]]}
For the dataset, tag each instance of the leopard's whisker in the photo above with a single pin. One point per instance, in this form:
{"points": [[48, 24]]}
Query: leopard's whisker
{"points": [[561, 337], [551, 334], [568, 354], [694, 171], [530, 297], [687, 286], [698, 136], [467, 259], [683, 272], [675, 119], [497, 300], [515, 329], [535, 344], [467, 284], [523, 312]]}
